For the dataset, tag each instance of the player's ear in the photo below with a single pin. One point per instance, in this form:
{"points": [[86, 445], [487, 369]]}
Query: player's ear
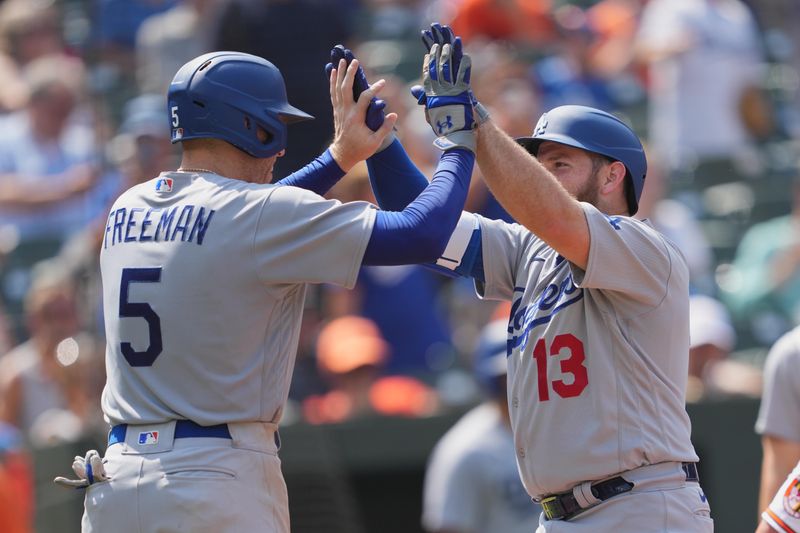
{"points": [[614, 177]]}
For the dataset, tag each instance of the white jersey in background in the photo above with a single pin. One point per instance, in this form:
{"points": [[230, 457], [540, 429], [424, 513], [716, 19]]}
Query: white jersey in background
{"points": [[783, 513], [472, 482], [204, 285]]}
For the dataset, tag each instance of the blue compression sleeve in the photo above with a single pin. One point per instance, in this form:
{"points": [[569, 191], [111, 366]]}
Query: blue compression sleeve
{"points": [[395, 180], [419, 233], [318, 176]]}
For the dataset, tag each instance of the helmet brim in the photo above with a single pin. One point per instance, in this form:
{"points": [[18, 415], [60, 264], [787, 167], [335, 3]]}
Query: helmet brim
{"points": [[530, 144]]}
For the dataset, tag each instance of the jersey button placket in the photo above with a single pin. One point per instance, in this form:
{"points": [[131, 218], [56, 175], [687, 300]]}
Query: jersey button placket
{"points": [[521, 452], [515, 402]]}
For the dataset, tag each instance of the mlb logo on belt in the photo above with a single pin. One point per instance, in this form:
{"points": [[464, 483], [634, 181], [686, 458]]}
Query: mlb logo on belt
{"points": [[148, 437], [164, 185]]}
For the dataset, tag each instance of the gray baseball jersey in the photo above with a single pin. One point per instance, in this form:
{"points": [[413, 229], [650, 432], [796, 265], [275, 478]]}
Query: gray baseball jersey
{"points": [[472, 483], [598, 358], [779, 414], [204, 283]]}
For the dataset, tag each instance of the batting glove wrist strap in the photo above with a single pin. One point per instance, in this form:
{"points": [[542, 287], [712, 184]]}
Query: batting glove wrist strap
{"points": [[481, 113]]}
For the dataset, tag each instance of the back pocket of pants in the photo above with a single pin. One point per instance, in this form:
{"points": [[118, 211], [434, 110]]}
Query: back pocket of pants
{"points": [[201, 473]]}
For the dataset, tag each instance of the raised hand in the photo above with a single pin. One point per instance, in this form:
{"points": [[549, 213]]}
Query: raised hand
{"points": [[354, 141], [447, 97], [375, 110], [441, 35]]}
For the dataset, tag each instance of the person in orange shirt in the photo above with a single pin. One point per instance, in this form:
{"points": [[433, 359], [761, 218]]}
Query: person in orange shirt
{"points": [[16, 483], [526, 21], [350, 355]]}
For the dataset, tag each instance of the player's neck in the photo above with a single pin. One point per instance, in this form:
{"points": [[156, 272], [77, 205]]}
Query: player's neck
{"points": [[222, 159]]}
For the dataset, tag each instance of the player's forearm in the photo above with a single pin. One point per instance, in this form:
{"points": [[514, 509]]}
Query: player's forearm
{"points": [[419, 233], [531, 195], [780, 457], [395, 180], [318, 176]]}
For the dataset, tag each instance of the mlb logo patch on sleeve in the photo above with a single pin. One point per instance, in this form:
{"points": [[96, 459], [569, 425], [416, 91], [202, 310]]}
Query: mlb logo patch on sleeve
{"points": [[148, 437], [164, 185]]}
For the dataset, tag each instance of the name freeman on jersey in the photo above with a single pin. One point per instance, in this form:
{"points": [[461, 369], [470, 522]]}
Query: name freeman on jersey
{"points": [[143, 224]]}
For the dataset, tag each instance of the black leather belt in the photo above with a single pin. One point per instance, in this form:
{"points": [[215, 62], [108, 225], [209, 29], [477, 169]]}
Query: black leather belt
{"points": [[565, 506]]}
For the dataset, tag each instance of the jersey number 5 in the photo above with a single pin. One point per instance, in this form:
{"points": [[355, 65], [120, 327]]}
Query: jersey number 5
{"points": [[569, 365], [141, 310]]}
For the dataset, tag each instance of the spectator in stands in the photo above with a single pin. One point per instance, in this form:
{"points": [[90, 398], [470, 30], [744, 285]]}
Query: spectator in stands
{"points": [[48, 161], [567, 75], [472, 484], [398, 299], [165, 41], [520, 21], [115, 23], [350, 355], [47, 388], [16, 482], [779, 416], [28, 30], [704, 60], [269, 28], [712, 373], [763, 285]]}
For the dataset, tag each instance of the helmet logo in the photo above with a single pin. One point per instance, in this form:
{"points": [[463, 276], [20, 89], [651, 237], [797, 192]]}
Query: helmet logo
{"points": [[541, 126], [444, 126]]}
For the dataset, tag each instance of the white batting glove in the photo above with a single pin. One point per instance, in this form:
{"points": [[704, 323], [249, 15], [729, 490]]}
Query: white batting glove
{"points": [[89, 470]]}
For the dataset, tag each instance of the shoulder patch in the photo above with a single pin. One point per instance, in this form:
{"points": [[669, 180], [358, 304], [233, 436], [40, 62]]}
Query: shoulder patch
{"points": [[791, 498]]}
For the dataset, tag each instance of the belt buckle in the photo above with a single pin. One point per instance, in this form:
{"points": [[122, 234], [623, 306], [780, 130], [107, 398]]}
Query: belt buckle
{"points": [[552, 507]]}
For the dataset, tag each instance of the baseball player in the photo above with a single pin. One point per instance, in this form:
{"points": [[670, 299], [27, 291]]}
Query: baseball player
{"points": [[778, 424], [204, 275], [783, 513], [598, 338], [471, 483]]}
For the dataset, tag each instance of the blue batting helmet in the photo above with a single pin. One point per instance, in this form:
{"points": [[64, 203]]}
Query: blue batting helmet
{"points": [[227, 96], [491, 355], [595, 131]]}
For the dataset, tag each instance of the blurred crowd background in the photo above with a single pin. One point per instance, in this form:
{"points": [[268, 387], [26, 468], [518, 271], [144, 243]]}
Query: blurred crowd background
{"points": [[711, 86]]}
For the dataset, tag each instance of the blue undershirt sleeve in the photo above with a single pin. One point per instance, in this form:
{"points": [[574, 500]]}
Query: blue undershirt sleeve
{"points": [[318, 176], [419, 233], [395, 180]]}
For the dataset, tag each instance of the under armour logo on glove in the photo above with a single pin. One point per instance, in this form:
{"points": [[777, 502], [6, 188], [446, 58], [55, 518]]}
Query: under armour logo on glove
{"points": [[445, 91], [447, 125]]}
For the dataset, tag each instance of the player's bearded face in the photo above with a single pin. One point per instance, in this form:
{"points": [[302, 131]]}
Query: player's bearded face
{"points": [[574, 169]]}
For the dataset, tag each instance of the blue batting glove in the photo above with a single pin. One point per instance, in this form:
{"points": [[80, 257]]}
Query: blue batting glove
{"points": [[375, 110]]}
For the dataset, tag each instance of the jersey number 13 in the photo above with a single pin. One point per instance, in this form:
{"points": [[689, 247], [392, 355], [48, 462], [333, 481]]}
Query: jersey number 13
{"points": [[572, 365]]}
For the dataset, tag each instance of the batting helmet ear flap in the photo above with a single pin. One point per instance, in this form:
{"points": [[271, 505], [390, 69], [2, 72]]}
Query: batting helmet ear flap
{"points": [[229, 96], [595, 131]]}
